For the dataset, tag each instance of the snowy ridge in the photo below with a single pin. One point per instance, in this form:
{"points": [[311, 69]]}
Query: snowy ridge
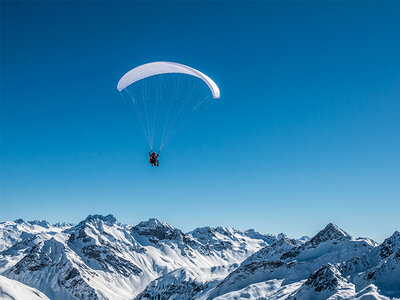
{"points": [[12, 232], [100, 258], [288, 269], [290, 262], [12, 289]]}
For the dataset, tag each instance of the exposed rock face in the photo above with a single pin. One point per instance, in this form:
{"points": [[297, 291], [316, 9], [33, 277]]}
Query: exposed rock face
{"points": [[321, 284], [157, 231], [326, 278], [49, 258], [91, 241], [178, 283], [390, 245], [99, 220]]}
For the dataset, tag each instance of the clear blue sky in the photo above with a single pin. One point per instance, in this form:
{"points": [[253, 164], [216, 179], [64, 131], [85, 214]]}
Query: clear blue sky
{"points": [[307, 131]]}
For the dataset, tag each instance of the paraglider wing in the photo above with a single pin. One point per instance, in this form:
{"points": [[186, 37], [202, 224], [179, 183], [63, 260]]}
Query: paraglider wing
{"points": [[162, 67], [165, 95]]}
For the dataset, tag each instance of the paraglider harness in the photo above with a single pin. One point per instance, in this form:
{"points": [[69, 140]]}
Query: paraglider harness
{"points": [[154, 158]]}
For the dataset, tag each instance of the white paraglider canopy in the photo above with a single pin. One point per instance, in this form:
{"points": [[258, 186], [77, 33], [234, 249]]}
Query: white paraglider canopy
{"points": [[166, 94], [163, 67]]}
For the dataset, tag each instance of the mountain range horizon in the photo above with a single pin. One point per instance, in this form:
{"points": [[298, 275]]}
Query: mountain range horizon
{"points": [[100, 258], [111, 216]]}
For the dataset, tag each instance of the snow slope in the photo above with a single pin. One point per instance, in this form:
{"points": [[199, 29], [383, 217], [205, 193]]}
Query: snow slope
{"points": [[14, 290]]}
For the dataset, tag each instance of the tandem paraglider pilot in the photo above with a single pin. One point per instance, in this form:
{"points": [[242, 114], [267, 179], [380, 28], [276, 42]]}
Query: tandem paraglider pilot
{"points": [[154, 158]]}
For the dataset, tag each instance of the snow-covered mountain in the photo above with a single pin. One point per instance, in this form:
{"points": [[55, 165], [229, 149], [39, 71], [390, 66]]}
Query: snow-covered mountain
{"points": [[12, 232], [100, 258]]}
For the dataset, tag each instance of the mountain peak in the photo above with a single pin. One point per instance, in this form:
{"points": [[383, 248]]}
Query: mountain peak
{"points": [[390, 245], [154, 223], [282, 236], [395, 237], [156, 230], [63, 224], [330, 232], [393, 240], [42, 223], [110, 220], [334, 227], [20, 221], [304, 239]]}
